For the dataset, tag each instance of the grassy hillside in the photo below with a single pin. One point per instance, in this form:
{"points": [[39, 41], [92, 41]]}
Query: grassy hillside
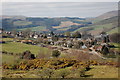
{"points": [[96, 29], [108, 25], [8, 58], [16, 47], [21, 47], [22, 23], [38, 28], [115, 30], [103, 72]]}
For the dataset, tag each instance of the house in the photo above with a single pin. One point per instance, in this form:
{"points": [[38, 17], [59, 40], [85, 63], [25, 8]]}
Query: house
{"points": [[36, 36], [1, 31], [98, 47], [1, 42], [27, 41], [84, 47]]}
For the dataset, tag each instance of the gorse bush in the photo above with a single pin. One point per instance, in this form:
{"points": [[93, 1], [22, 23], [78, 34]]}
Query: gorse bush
{"points": [[55, 63], [56, 53], [27, 55]]}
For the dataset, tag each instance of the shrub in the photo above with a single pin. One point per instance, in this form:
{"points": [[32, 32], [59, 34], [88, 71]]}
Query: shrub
{"points": [[105, 50], [77, 35], [56, 53], [27, 55]]}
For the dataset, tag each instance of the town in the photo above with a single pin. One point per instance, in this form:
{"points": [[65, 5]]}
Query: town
{"points": [[82, 41]]}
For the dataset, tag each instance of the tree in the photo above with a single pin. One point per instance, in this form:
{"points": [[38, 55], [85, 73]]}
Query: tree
{"points": [[68, 34], [27, 55], [52, 33], [77, 35], [55, 38], [106, 39], [103, 33], [70, 45], [26, 33], [105, 50], [56, 53]]}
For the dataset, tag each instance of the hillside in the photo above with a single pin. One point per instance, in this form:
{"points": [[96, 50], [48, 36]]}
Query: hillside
{"points": [[108, 15], [59, 24], [107, 22]]}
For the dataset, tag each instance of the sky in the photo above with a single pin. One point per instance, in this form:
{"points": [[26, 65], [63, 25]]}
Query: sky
{"points": [[57, 9], [60, 0]]}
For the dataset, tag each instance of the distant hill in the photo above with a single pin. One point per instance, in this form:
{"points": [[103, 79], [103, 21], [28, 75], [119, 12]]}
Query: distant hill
{"points": [[108, 15], [13, 16], [107, 22], [59, 24]]}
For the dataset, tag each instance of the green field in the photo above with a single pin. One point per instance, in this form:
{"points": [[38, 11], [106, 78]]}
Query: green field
{"points": [[7, 39], [103, 72], [22, 23], [115, 30], [38, 28], [98, 28], [16, 47], [8, 58]]}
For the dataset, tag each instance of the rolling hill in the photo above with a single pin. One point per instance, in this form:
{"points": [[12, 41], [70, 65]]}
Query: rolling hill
{"points": [[107, 22], [38, 23]]}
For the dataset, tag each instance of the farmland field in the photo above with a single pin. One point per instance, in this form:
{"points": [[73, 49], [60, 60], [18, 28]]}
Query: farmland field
{"points": [[16, 47], [38, 28]]}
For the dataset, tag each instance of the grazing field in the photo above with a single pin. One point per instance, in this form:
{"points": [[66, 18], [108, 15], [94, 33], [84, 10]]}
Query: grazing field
{"points": [[103, 72], [22, 23], [96, 29], [8, 58], [115, 30], [7, 39], [16, 47]]}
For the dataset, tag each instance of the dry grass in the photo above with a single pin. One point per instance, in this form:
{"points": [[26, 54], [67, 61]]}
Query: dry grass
{"points": [[103, 72]]}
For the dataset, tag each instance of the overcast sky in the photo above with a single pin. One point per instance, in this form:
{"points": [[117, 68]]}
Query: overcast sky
{"points": [[58, 9], [60, 0]]}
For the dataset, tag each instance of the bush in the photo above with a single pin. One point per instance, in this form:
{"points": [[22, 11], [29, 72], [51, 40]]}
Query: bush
{"points": [[27, 55], [76, 35], [105, 50], [56, 53]]}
